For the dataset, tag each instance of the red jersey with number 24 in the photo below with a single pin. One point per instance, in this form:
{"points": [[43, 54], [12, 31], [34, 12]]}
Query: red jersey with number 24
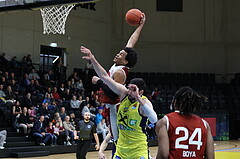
{"points": [[187, 136]]}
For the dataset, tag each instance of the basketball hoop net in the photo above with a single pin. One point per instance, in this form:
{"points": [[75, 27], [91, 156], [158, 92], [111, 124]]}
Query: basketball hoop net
{"points": [[54, 18]]}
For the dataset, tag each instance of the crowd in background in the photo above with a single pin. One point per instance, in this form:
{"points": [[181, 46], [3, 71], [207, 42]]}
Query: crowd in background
{"points": [[40, 106]]}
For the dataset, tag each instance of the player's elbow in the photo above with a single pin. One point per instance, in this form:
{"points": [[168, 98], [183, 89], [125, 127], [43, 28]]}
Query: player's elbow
{"points": [[153, 119]]}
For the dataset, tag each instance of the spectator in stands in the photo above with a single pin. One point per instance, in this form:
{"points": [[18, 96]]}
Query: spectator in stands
{"points": [[61, 90], [69, 129], [7, 77], [3, 82], [74, 76], [63, 113], [48, 99], [155, 93], [74, 104], [10, 96], [59, 131], [79, 86], [85, 109], [12, 76], [40, 133], [56, 96], [87, 130], [4, 61], [57, 68], [29, 63], [31, 87], [99, 116], [14, 63], [44, 111], [33, 75], [69, 86], [55, 118], [49, 91], [2, 94], [15, 87], [3, 137], [67, 95], [32, 113], [102, 128], [73, 120], [24, 122], [16, 111], [51, 129], [26, 80], [46, 82], [27, 100]]}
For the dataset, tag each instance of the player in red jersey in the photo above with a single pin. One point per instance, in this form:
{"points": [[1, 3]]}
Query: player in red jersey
{"points": [[182, 134]]}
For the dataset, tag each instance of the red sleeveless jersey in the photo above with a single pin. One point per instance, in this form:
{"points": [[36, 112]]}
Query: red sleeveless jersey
{"points": [[104, 98], [187, 136]]}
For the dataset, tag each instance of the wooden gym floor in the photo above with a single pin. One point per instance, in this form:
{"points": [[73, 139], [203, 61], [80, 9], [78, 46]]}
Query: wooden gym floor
{"points": [[223, 150]]}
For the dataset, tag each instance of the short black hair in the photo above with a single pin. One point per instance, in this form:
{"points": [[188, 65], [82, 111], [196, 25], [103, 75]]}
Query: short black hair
{"points": [[131, 56], [188, 100], [139, 82]]}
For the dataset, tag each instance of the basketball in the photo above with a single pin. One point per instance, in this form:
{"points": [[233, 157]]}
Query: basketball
{"points": [[133, 17]]}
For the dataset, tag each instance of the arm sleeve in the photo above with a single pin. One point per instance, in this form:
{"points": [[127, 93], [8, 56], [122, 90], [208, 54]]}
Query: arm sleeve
{"points": [[107, 90], [150, 113]]}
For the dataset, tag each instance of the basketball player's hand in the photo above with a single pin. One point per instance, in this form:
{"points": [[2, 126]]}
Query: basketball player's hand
{"points": [[87, 52], [97, 147], [101, 155], [95, 79], [143, 19], [133, 91]]}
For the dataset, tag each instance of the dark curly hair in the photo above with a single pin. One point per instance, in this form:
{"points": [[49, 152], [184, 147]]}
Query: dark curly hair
{"points": [[188, 100], [131, 56], [139, 82]]}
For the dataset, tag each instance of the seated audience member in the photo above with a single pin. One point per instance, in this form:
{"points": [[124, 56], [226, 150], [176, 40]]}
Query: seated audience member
{"points": [[51, 129], [40, 133], [67, 95], [102, 128], [3, 137], [46, 82], [55, 118], [99, 115], [33, 75], [85, 109], [24, 122], [16, 111], [10, 96], [3, 82], [63, 113], [15, 87], [79, 86], [73, 120], [74, 76], [48, 99], [70, 128], [27, 100], [59, 132], [39, 88], [44, 111], [31, 87], [25, 81], [56, 96], [61, 90], [2, 94], [32, 113], [49, 91], [75, 105]]}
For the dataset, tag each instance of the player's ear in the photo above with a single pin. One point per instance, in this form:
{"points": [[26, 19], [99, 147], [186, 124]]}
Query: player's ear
{"points": [[141, 92]]}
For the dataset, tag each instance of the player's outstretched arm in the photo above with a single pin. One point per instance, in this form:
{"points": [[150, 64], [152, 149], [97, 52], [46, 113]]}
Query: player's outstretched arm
{"points": [[163, 140], [114, 86], [209, 152], [134, 37]]}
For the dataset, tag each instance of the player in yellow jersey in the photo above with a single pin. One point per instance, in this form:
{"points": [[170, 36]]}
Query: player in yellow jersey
{"points": [[132, 116]]}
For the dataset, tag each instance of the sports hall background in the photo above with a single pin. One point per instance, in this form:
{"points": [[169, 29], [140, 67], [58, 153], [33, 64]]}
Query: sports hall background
{"points": [[203, 38]]}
